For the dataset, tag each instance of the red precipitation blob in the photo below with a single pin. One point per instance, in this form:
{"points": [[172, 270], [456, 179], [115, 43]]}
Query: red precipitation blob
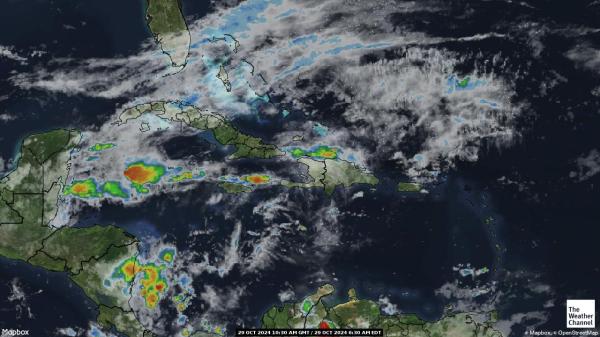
{"points": [[138, 174]]}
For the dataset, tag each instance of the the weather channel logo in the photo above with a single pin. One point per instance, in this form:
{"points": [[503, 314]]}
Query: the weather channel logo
{"points": [[581, 314]]}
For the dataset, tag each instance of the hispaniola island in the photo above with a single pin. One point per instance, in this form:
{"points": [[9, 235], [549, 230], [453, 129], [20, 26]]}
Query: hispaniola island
{"points": [[196, 168]]}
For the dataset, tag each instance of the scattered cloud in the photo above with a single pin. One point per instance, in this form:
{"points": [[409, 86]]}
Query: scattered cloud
{"points": [[70, 332], [587, 166], [387, 306], [222, 299], [585, 56], [9, 53], [391, 102], [18, 297], [494, 295], [286, 295], [5, 117], [531, 320]]}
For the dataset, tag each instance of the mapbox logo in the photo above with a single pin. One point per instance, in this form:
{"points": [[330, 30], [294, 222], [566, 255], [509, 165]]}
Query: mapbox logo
{"points": [[581, 314], [15, 332]]}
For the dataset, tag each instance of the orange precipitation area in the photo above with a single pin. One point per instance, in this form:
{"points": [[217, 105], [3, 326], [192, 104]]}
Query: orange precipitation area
{"points": [[152, 284], [140, 173], [257, 179], [83, 188], [323, 325]]}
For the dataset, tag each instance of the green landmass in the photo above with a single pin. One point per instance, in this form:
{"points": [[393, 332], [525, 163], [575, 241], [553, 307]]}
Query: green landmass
{"points": [[329, 174], [76, 245], [29, 197], [123, 321], [224, 77], [42, 259], [358, 313], [165, 20], [90, 277], [409, 187], [30, 192], [343, 173], [295, 314], [245, 146], [234, 188], [165, 16]]}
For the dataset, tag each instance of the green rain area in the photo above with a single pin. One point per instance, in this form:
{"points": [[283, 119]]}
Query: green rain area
{"points": [[314, 313], [28, 202], [463, 83], [186, 175], [153, 284], [322, 151], [88, 188], [114, 188], [183, 176], [167, 255], [101, 147]]}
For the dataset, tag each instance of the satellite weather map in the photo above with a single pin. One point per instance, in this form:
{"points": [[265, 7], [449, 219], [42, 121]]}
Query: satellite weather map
{"points": [[203, 168]]}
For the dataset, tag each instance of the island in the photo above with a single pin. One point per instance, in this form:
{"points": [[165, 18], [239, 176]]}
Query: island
{"points": [[226, 134], [331, 173], [408, 187]]}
